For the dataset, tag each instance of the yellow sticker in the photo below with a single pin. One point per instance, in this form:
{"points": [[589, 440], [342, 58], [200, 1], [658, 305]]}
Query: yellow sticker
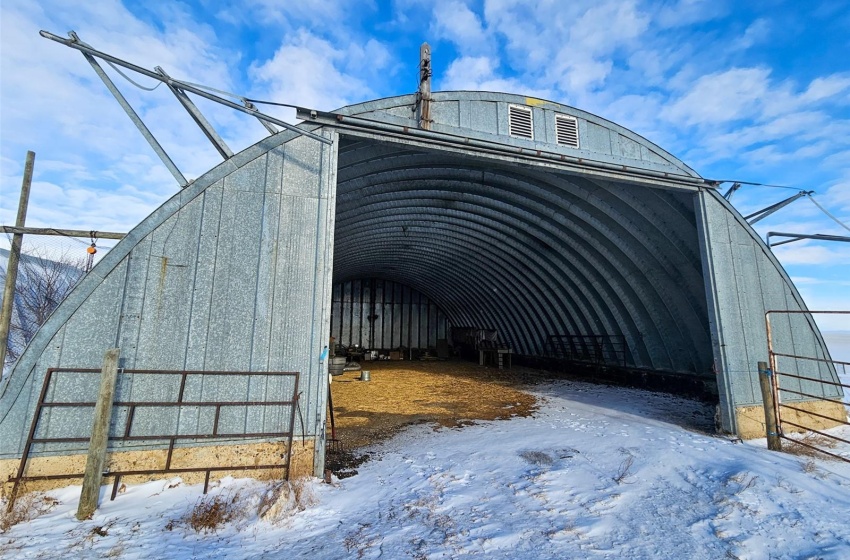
{"points": [[535, 102]]}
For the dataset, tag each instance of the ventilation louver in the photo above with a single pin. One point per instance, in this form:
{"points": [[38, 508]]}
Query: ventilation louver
{"points": [[520, 122], [566, 130]]}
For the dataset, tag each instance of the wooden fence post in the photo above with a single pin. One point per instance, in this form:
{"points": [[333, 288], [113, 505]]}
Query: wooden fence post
{"points": [[14, 257], [770, 420], [99, 436]]}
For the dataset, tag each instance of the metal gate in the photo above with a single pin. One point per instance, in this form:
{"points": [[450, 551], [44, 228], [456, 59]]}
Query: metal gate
{"points": [[125, 419], [805, 388]]}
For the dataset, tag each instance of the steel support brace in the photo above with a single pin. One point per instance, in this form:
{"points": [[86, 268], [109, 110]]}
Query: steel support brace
{"points": [[181, 180], [792, 237], [765, 212], [198, 117], [75, 43]]}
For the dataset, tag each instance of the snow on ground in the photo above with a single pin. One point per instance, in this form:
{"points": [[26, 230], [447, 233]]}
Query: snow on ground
{"points": [[598, 472]]}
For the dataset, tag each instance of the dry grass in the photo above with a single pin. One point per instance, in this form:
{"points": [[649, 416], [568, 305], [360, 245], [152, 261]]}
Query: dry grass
{"points": [[625, 469], [808, 441], [537, 458], [212, 512], [28, 506]]}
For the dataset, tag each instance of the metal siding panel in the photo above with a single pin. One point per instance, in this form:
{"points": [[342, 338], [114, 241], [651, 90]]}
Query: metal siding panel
{"points": [[748, 282], [261, 340], [446, 112], [729, 304], [597, 139], [91, 330], [629, 148], [135, 286], [209, 231], [483, 116], [165, 312]]}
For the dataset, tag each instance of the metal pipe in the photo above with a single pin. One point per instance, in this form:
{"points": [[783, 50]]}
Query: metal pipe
{"points": [[148, 135], [75, 44], [798, 442], [728, 194], [570, 163], [765, 212], [208, 130], [798, 236], [14, 259]]}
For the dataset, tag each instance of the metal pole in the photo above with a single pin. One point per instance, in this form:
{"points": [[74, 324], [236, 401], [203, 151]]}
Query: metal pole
{"points": [[14, 259], [765, 212], [146, 133], [74, 43], [199, 118], [770, 420]]}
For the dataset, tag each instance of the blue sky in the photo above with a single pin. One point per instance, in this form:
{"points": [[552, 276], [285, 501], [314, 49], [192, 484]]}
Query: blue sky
{"points": [[752, 91]]}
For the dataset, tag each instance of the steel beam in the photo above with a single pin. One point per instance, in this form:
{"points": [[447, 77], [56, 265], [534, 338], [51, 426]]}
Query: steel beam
{"points": [[154, 143], [199, 118], [765, 212], [75, 43], [798, 236]]}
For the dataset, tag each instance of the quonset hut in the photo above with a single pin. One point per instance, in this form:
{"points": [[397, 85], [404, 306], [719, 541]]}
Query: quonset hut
{"points": [[520, 215]]}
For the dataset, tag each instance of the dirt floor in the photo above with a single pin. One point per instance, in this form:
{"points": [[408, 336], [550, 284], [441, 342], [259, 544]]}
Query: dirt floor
{"points": [[446, 393]]}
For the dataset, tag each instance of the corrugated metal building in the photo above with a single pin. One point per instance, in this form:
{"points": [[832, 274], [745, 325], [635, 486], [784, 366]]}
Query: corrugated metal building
{"points": [[525, 216]]}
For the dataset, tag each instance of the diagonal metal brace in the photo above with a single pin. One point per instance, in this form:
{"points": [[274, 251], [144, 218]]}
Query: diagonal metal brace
{"points": [[268, 126], [765, 212], [792, 237], [110, 85], [75, 43], [198, 117]]}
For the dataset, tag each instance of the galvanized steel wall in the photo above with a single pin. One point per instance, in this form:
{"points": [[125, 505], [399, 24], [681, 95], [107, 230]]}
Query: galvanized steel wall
{"points": [[232, 273], [744, 281]]}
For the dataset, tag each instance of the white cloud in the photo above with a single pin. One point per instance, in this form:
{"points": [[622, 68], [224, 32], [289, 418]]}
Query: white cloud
{"points": [[310, 71], [54, 104], [688, 12], [454, 21], [757, 32], [479, 73], [804, 253], [826, 88], [721, 97]]}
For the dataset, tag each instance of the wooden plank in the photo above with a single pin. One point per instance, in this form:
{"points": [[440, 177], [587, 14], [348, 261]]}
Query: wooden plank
{"points": [[99, 436]]}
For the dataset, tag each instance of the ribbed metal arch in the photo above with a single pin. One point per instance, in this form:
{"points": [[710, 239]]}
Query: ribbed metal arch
{"points": [[469, 227], [469, 230], [486, 259], [366, 210], [503, 233], [566, 254]]}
